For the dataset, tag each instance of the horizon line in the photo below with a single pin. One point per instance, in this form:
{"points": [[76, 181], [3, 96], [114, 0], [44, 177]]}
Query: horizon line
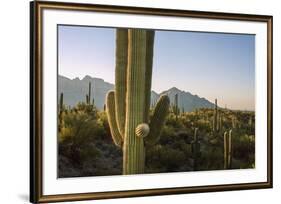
{"points": [[157, 92]]}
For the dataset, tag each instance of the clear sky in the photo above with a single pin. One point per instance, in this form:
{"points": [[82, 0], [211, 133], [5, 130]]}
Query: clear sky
{"points": [[211, 65]]}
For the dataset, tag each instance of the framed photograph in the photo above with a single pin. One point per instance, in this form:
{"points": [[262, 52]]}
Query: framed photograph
{"points": [[132, 101]]}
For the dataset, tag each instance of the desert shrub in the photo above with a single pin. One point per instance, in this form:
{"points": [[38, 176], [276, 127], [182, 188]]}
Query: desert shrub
{"points": [[164, 159]]}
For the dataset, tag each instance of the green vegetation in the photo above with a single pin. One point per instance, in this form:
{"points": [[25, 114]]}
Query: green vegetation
{"points": [[186, 143], [133, 135]]}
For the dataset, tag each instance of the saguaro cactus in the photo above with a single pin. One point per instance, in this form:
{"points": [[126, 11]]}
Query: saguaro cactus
{"points": [[195, 149], [233, 122], [176, 105], [215, 119], [218, 121], [60, 112], [227, 149], [61, 102], [128, 106], [88, 96]]}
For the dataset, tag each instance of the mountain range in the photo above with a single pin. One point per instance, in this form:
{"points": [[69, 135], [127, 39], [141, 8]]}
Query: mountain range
{"points": [[75, 90]]}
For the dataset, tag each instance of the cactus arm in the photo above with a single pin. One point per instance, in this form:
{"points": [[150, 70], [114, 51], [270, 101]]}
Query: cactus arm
{"points": [[121, 77], [148, 72], [158, 119], [110, 110]]}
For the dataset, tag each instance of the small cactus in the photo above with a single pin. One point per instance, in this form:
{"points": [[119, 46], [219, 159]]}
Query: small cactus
{"points": [[89, 95], [220, 122], [195, 149], [215, 119], [227, 149], [60, 112], [89, 101], [233, 122], [176, 106], [61, 102], [250, 121]]}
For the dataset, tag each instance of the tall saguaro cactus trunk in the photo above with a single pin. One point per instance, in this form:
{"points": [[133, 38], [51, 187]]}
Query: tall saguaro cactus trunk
{"points": [[61, 109], [228, 149], [215, 119], [133, 149], [195, 149], [176, 107], [128, 106]]}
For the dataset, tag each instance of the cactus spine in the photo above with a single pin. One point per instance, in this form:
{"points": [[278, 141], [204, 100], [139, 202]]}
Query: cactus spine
{"points": [[227, 149], [195, 149], [128, 106]]}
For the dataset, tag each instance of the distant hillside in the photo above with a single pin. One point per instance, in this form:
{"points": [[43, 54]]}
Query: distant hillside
{"points": [[75, 91], [186, 100]]}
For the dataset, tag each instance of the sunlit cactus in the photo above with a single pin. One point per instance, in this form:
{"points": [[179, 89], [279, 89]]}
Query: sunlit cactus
{"points": [[233, 122], [128, 105], [195, 149], [227, 149], [220, 122]]}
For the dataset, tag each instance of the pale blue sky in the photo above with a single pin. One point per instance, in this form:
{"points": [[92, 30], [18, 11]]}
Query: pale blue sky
{"points": [[211, 65]]}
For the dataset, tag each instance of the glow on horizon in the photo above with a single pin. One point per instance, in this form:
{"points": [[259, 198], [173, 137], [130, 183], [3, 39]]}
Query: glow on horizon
{"points": [[211, 65]]}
